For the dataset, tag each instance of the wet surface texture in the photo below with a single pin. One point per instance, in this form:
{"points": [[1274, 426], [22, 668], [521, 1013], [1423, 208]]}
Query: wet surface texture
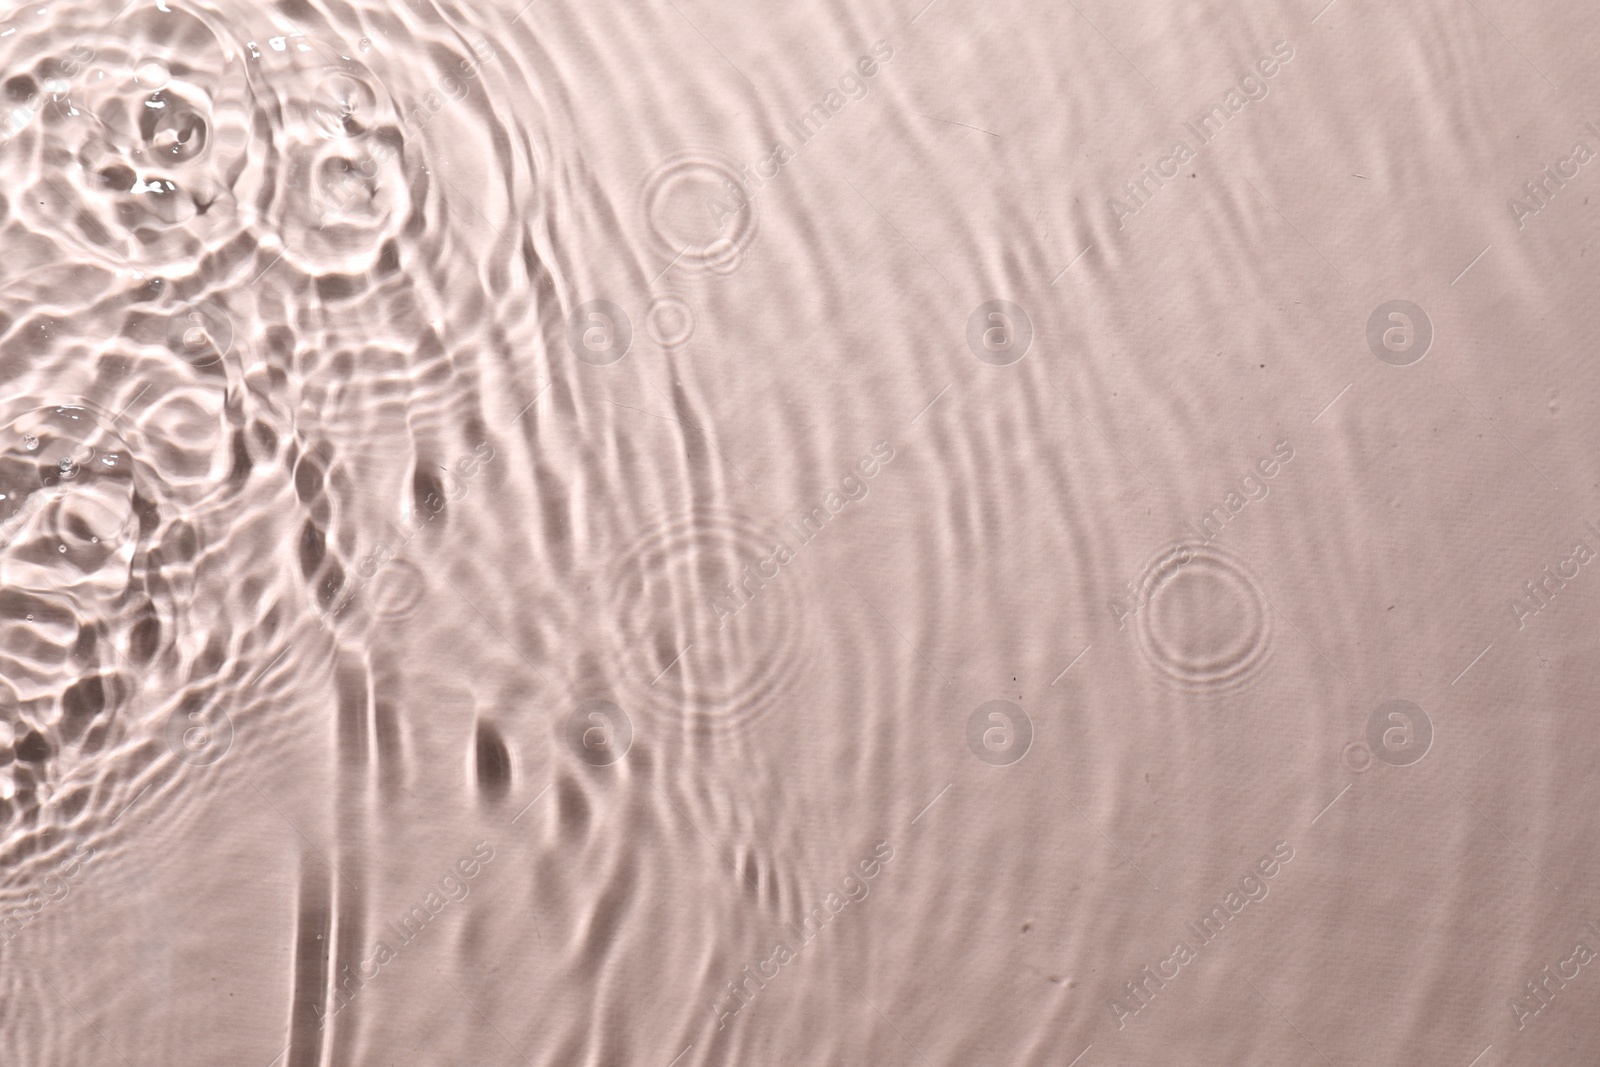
{"points": [[687, 534]]}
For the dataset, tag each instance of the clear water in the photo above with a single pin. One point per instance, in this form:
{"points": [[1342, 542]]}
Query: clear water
{"points": [[697, 534]]}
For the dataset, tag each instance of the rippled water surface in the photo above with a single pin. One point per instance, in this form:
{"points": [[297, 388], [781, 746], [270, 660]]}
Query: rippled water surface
{"points": [[697, 534]]}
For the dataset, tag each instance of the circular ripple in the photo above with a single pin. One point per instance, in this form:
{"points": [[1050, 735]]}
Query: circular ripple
{"points": [[66, 498], [670, 321], [133, 148], [697, 213], [710, 622], [1204, 622], [346, 188]]}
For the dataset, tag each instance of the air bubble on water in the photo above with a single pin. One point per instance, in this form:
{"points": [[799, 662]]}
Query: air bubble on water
{"points": [[30, 442], [110, 461], [62, 549], [366, 44], [67, 467]]}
